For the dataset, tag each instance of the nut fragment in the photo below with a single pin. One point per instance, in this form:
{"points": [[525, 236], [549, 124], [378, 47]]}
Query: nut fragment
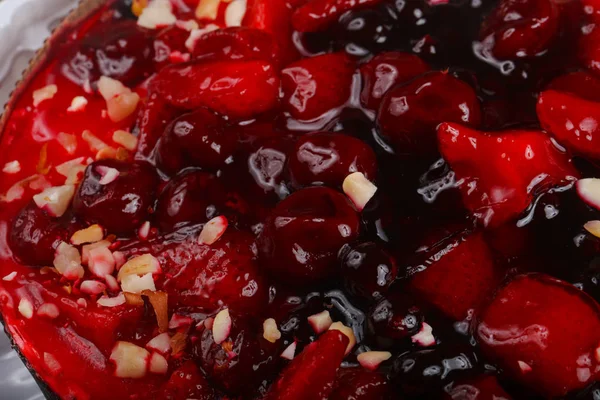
{"points": [[130, 360], [91, 234], [338, 326], [158, 364], [12, 167], [359, 189], [221, 326], [10, 277], [67, 261], [106, 301], [67, 141], [137, 284], [101, 262], [158, 13], [48, 310], [121, 102], [140, 265], [55, 200], [372, 359], [588, 190], [208, 9], [94, 142], [160, 343], [525, 368], [125, 139], [107, 174], [26, 308], [425, 336], [271, 331], [213, 230], [77, 104], [235, 12], [289, 351], [43, 94], [92, 287], [593, 227], [86, 249], [320, 322]]}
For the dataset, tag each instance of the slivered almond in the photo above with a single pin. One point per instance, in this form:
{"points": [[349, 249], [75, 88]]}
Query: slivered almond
{"points": [[208, 9], [359, 189], [221, 326], [137, 284], [94, 142], [67, 141], [320, 322], [372, 359], [77, 104], [91, 234], [85, 250], [25, 308], [106, 301], [271, 332], [43, 94], [213, 230], [140, 265], [12, 167], [125, 139]]}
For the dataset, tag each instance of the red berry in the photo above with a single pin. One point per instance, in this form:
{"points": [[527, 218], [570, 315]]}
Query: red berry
{"points": [[153, 118], [581, 83], [572, 120], [385, 71], [360, 384], [238, 89], [244, 44], [190, 197], [302, 236], [484, 387], [543, 333], [406, 119], [520, 28], [122, 205], [328, 158], [317, 365], [589, 49], [501, 172], [34, 235], [314, 86], [169, 40], [456, 274], [316, 15], [396, 316], [187, 382]]}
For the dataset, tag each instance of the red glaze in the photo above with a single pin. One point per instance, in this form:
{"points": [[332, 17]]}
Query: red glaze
{"points": [[499, 172], [303, 234], [396, 316], [589, 49], [546, 324], [386, 70], [316, 15], [187, 382], [313, 86], [122, 205], [328, 158], [317, 364], [485, 387], [520, 28], [240, 89], [581, 83], [360, 384], [169, 41], [572, 120], [458, 276], [406, 120]]}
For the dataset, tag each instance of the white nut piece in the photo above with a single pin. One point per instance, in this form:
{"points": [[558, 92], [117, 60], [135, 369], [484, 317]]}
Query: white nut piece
{"points": [[109, 302], [140, 265], [593, 227], [359, 189], [158, 364], [213, 230], [55, 200], [121, 102], [91, 234], [48, 310], [77, 104], [221, 326], [208, 9], [130, 360], [125, 139], [137, 284], [160, 343], [320, 322], [43, 94], [67, 261], [271, 332], [588, 190], [25, 308], [159, 13], [290, 352], [12, 167], [372, 359], [425, 336], [235, 12]]}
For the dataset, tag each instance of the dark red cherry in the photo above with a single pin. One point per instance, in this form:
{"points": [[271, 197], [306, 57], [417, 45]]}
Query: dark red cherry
{"points": [[120, 50], [198, 139], [367, 270], [396, 317], [362, 32], [359, 384], [304, 233], [187, 382], [520, 28], [484, 387], [328, 158], [167, 43], [385, 71], [581, 83], [242, 362], [406, 120], [122, 204], [190, 197], [34, 235]]}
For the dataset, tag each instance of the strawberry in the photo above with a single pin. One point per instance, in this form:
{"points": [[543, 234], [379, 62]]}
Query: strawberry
{"points": [[457, 275], [311, 374], [317, 15], [484, 387], [238, 89], [500, 173], [405, 119], [313, 86], [572, 120], [274, 17], [543, 333], [385, 71], [520, 28], [238, 43]]}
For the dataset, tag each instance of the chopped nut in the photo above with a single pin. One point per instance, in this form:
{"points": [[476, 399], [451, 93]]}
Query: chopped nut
{"points": [[77, 104], [372, 359], [92, 287], [93, 141], [338, 326], [65, 168], [140, 265], [160, 343], [320, 322], [208, 9], [271, 331], [359, 189], [144, 230], [289, 351], [158, 364], [106, 301], [91, 234], [26, 308], [67, 141], [121, 102], [107, 175], [213, 230], [593, 227], [10, 277], [525, 368], [55, 200], [12, 167], [221, 326], [101, 262], [48, 310], [158, 13], [180, 321], [43, 94], [107, 153], [85, 250], [425, 336], [125, 139], [588, 190], [130, 360], [42, 166], [138, 284], [235, 12], [67, 261]]}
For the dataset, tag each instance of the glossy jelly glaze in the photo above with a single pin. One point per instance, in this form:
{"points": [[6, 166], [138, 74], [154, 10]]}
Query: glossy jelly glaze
{"points": [[308, 200]]}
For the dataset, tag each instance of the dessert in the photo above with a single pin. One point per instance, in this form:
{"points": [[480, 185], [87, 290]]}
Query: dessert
{"points": [[307, 199]]}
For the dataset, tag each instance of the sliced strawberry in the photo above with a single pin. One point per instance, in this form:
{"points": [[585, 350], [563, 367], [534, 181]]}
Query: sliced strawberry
{"points": [[274, 17], [543, 333], [237, 89], [484, 387], [245, 44], [458, 274], [386, 70], [360, 384], [520, 28], [406, 120], [500, 173], [318, 364], [313, 86], [187, 382], [572, 120], [316, 15]]}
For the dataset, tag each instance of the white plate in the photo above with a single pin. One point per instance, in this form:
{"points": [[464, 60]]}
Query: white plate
{"points": [[24, 25]]}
